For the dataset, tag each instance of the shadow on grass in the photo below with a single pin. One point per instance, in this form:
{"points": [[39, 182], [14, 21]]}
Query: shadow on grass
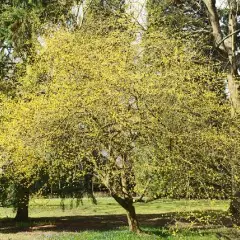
{"points": [[184, 220]]}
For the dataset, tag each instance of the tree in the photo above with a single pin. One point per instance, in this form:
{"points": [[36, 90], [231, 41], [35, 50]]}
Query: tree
{"points": [[21, 25], [24, 169], [86, 108], [89, 104], [226, 43]]}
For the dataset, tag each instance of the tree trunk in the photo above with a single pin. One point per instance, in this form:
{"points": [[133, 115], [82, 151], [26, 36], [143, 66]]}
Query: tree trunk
{"points": [[127, 204], [235, 101], [233, 85], [235, 208], [22, 202], [233, 88], [132, 220]]}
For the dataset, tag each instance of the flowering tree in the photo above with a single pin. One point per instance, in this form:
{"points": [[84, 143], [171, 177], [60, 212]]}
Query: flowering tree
{"points": [[145, 129]]}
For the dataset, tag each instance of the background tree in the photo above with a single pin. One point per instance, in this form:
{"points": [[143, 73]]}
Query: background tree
{"points": [[226, 42], [21, 26]]}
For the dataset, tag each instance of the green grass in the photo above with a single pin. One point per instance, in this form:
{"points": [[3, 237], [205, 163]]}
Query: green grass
{"points": [[126, 235], [108, 235], [106, 206], [50, 222]]}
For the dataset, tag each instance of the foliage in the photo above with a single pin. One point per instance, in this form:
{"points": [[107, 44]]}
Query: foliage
{"points": [[88, 99], [21, 25], [147, 121], [185, 18]]}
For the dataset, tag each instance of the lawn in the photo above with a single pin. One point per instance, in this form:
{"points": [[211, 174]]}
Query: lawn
{"points": [[162, 219]]}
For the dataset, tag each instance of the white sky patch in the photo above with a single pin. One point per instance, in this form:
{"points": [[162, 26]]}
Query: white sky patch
{"points": [[221, 4], [137, 8]]}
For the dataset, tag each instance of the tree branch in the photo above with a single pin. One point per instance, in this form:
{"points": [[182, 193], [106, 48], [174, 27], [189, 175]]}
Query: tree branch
{"points": [[214, 20], [226, 37]]}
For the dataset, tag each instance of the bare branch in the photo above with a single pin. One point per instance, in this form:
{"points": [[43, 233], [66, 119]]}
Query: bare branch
{"points": [[226, 37]]}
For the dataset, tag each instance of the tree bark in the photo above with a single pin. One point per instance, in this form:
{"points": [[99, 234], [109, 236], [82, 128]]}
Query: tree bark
{"points": [[214, 20], [127, 204], [233, 88], [233, 85], [235, 208], [22, 202], [132, 219]]}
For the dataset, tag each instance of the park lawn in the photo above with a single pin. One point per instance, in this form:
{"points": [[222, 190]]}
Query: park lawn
{"points": [[106, 206], [107, 220], [124, 234], [120, 234]]}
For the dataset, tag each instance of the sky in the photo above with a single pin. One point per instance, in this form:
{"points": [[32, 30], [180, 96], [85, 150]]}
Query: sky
{"points": [[221, 3]]}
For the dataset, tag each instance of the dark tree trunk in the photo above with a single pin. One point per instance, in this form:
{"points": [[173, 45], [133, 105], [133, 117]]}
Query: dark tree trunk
{"points": [[132, 220], [127, 204], [235, 208], [22, 202]]}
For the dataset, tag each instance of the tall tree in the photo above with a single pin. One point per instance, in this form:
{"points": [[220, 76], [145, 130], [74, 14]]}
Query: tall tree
{"points": [[22, 23], [226, 42]]}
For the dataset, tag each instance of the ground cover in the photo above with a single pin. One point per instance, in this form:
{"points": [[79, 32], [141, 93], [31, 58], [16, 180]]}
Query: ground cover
{"points": [[50, 219]]}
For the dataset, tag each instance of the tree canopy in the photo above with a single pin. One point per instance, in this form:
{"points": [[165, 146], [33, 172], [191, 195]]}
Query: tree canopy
{"points": [[147, 118]]}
